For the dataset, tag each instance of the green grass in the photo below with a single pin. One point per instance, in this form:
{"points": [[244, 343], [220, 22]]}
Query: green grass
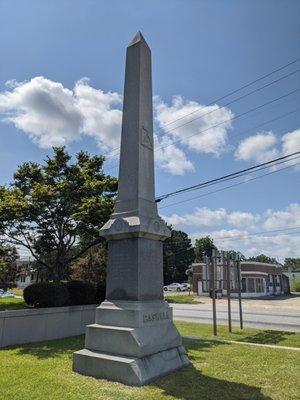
{"points": [[43, 371], [279, 338], [182, 299], [11, 304], [295, 286], [17, 292]]}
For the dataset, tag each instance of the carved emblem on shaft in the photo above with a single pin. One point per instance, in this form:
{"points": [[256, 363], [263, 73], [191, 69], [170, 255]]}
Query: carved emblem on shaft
{"points": [[146, 138]]}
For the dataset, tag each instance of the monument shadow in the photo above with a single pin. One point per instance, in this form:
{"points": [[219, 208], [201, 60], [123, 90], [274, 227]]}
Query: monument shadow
{"points": [[186, 384]]}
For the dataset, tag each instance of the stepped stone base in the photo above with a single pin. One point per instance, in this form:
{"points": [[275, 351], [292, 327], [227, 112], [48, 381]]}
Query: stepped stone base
{"points": [[131, 342]]}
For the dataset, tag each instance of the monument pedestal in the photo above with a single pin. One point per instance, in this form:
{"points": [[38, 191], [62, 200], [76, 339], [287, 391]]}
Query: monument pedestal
{"points": [[131, 342]]}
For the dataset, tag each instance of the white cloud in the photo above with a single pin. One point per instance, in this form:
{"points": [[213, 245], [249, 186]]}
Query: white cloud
{"points": [[288, 218], [291, 142], [246, 237], [101, 118], [207, 217], [212, 141], [238, 218], [278, 246], [171, 158], [259, 148], [44, 109], [53, 115]]}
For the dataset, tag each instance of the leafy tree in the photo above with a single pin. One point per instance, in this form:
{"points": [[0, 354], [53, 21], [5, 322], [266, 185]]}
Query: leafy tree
{"points": [[8, 266], [235, 254], [178, 255], [92, 266], [204, 247], [293, 263], [263, 259], [55, 210]]}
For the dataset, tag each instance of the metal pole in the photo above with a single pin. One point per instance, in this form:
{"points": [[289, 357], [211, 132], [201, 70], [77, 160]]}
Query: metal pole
{"points": [[238, 265], [228, 291], [211, 263]]}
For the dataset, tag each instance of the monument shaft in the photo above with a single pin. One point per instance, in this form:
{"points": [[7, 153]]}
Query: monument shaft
{"points": [[134, 339]]}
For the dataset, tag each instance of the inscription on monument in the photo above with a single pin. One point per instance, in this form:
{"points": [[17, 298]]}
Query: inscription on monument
{"points": [[146, 138], [158, 316]]}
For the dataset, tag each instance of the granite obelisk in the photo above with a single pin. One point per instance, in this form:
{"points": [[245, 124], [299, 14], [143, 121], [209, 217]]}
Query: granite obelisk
{"points": [[134, 339]]}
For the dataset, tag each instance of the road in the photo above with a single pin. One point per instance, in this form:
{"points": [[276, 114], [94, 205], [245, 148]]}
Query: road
{"points": [[261, 317]]}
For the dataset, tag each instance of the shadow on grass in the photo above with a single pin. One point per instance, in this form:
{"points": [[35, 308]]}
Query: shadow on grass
{"points": [[187, 384], [267, 337], [190, 384], [52, 348]]}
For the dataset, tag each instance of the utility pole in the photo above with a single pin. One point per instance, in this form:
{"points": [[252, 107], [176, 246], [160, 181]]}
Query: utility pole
{"points": [[211, 263], [238, 270], [226, 259]]}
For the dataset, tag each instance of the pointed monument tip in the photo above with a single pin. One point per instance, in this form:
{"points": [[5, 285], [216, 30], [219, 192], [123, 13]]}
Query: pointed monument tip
{"points": [[138, 38]]}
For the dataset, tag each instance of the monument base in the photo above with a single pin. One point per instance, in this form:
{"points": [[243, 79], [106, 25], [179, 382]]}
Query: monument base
{"points": [[131, 342]]}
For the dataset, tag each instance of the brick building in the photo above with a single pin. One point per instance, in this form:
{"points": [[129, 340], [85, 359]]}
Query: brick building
{"points": [[257, 279]]}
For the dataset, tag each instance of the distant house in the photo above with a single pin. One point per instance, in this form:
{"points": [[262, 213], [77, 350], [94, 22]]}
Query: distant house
{"points": [[27, 274], [257, 280]]}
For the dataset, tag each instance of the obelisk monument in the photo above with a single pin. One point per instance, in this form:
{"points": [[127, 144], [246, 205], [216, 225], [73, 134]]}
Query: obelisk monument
{"points": [[134, 339]]}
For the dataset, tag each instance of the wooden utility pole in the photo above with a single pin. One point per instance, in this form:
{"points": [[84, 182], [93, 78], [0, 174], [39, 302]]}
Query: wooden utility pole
{"points": [[228, 288], [238, 270], [211, 264]]}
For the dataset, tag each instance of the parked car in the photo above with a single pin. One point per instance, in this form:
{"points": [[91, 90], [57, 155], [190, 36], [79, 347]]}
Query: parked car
{"points": [[187, 286], [174, 287]]}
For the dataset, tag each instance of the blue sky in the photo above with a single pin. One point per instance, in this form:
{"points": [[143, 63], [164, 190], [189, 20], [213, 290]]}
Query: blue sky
{"points": [[201, 51]]}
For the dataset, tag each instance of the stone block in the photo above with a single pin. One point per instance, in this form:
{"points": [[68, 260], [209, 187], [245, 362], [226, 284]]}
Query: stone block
{"points": [[127, 370]]}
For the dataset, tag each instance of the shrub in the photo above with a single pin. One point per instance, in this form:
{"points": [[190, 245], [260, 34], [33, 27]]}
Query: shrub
{"points": [[100, 292], [296, 286], [81, 292], [46, 294]]}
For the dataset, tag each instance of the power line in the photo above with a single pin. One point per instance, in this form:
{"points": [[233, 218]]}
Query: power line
{"points": [[230, 186], [237, 90], [228, 95], [215, 180], [233, 118], [233, 101], [225, 121]]}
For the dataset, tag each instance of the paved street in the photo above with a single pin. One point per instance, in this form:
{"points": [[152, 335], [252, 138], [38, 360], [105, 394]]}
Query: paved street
{"points": [[261, 314]]}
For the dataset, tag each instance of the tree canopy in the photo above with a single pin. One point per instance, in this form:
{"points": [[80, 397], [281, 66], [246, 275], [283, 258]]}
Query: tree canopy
{"points": [[8, 266], [293, 263], [178, 255], [56, 209], [203, 248], [263, 259]]}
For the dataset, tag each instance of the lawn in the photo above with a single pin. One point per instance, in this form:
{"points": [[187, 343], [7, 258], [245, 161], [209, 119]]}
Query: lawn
{"points": [[11, 304], [42, 371], [279, 338], [182, 299]]}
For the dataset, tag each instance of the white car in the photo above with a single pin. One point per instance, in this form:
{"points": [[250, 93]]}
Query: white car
{"points": [[187, 286], [174, 287]]}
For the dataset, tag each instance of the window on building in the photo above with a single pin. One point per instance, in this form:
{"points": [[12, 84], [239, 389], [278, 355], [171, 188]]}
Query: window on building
{"points": [[259, 285], [244, 288], [251, 285]]}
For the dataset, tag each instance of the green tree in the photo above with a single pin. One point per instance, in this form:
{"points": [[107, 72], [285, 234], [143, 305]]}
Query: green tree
{"points": [[293, 263], [204, 247], [55, 210], [236, 254], [91, 267], [178, 255], [263, 259], [8, 266]]}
